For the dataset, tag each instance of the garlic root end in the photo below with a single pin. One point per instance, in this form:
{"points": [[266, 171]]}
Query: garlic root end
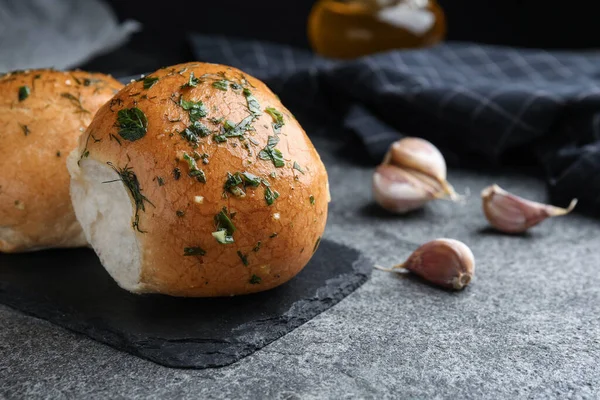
{"points": [[461, 281]]}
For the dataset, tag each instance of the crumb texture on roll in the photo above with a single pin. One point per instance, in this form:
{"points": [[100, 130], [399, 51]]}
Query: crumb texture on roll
{"points": [[42, 114], [196, 181]]}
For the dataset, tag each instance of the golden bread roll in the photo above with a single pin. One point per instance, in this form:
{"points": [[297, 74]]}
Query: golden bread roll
{"points": [[196, 181], [42, 114]]}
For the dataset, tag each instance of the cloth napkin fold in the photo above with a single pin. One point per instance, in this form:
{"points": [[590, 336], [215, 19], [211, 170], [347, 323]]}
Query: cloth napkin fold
{"points": [[481, 105]]}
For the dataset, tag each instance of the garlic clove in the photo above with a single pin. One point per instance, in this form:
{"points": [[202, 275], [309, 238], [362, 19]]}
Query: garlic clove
{"points": [[418, 154], [447, 263], [399, 191], [422, 156], [513, 214]]}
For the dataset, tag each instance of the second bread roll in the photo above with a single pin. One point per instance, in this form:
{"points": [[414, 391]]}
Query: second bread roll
{"points": [[42, 114]]}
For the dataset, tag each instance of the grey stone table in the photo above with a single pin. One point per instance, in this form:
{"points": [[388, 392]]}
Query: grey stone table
{"points": [[527, 327]]}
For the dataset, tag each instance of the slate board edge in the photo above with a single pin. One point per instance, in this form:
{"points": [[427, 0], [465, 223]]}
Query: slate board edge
{"points": [[235, 351]]}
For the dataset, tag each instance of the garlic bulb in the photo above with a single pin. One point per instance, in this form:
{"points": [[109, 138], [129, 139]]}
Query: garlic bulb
{"points": [[448, 263], [413, 172], [513, 214]]}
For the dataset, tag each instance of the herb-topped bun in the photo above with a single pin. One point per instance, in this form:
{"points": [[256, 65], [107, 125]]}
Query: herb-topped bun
{"points": [[42, 113], [196, 181]]}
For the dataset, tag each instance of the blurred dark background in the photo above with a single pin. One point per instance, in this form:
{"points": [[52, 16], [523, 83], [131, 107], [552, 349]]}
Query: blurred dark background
{"points": [[521, 23]]}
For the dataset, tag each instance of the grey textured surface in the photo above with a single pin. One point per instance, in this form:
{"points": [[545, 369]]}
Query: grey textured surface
{"points": [[527, 327]]}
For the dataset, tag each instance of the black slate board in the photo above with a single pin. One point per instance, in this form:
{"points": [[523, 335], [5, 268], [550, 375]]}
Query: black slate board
{"points": [[71, 289]]}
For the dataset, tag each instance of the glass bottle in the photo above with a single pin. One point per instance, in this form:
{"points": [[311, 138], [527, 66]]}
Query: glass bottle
{"points": [[352, 28]]}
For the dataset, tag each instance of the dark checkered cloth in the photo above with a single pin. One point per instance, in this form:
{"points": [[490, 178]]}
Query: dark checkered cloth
{"points": [[481, 105]]}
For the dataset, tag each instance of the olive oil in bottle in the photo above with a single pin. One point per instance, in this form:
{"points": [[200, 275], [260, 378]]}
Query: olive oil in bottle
{"points": [[352, 28]]}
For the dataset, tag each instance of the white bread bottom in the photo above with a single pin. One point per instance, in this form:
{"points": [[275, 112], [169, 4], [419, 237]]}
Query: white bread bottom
{"points": [[105, 211]]}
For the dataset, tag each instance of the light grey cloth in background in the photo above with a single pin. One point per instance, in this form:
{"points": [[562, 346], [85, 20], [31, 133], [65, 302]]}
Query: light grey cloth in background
{"points": [[57, 33]]}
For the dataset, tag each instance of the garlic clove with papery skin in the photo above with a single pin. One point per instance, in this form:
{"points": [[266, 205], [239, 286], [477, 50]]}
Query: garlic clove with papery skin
{"points": [[422, 156], [448, 263], [513, 214], [418, 154], [399, 191]]}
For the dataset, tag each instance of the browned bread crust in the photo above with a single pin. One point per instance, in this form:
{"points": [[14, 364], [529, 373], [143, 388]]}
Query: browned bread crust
{"points": [[177, 182], [42, 114]]}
